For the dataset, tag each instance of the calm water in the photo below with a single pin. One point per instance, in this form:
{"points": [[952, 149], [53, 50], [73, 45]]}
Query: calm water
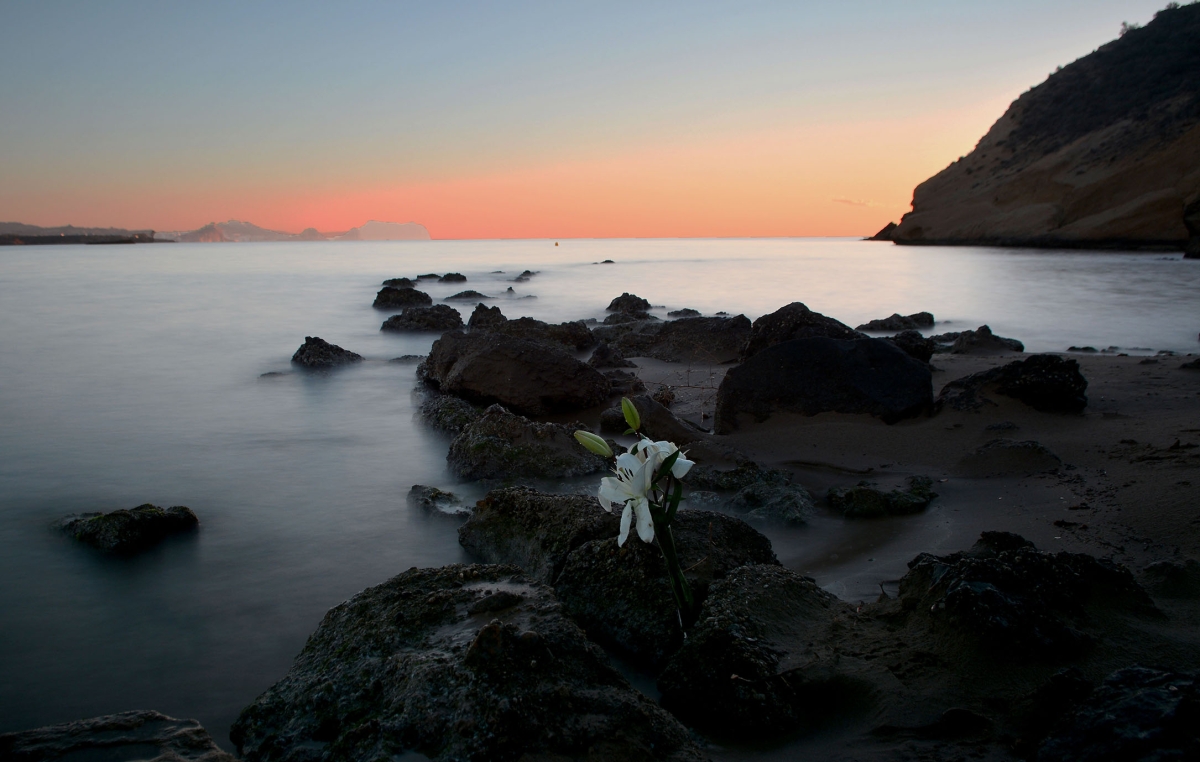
{"points": [[133, 374]]}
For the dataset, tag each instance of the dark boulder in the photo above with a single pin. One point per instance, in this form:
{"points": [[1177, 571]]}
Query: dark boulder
{"points": [[1174, 579], [572, 334], [130, 531], [133, 735], [794, 321], [401, 298], [1191, 365], [1016, 599], [623, 382], [439, 317], [1045, 382], [628, 303], [500, 445], [1136, 714], [466, 296], [982, 341], [914, 345], [619, 318], [745, 474], [811, 376], [898, 322], [453, 278], [607, 357], [885, 233], [697, 339], [528, 377], [485, 318], [436, 501], [457, 663], [685, 312], [318, 354], [400, 283], [865, 500], [788, 504], [445, 412]]}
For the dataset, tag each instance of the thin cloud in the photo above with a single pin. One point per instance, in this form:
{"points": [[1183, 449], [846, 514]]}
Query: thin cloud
{"points": [[854, 202]]}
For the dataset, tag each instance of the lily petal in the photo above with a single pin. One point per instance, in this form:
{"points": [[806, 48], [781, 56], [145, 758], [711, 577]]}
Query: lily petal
{"points": [[681, 467], [645, 523], [626, 516]]}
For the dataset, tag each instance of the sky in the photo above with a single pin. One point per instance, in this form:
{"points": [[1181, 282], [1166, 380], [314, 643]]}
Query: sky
{"points": [[512, 120]]}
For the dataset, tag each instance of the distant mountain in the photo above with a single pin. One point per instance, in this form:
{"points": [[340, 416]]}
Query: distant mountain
{"points": [[374, 230], [1106, 152], [20, 234], [20, 229], [236, 231]]}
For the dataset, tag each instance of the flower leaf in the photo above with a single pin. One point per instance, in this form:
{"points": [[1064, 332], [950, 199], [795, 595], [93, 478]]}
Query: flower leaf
{"points": [[631, 413], [673, 505], [665, 468]]}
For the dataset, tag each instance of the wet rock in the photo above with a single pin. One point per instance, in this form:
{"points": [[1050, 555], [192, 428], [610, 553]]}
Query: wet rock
{"points": [[318, 353], [622, 596], [624, 383], [1136, 714], [400, 283], [898, 322], [794, 321], [401, 298], [1001, 457], [1174, 578], [528, 377], [453, 278], [607, 357], [534, 530], [617, 318], [572, 334], [685, 312], [500, 445], [1191, 365], [866, 500], [810, 376], [1018, 600], [434, 500], [1082, 349], [788, 504], [914, 345], [745, 474], [130, 736], [697, 339], [485, 318], [445, 412], [659, 423], [982, 341], [463, 662], [627, 302], [439, 317], [466, 296], [407, 359], [130, 531], [763, 660], [612, 421], [1045, 382], [524, 276]]}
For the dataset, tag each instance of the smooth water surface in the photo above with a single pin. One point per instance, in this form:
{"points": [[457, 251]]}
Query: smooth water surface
{"points": [[133, 374]]}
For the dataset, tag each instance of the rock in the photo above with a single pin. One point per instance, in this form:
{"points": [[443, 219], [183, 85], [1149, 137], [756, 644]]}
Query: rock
{"points": [[524, 276], [1002, 457], [868, 501], [982, 341], [525, 376], [747, 473], [607, 357], [500, 445], [463, 662], [1174, 579], [794, 321], [130, 531], [624, 383], [763, 659], [318, 353], [914, 345], [406, 359], [534, 530], [400, 283], [622, 596], [664, 395], [429, 276], [434, 500], [698, 339], [401, 298], [885, 234], [612, 421], [1018, 600], [130, 736], [898, 322], [439, 317], [659, 423], [1045, 382], [572, 334], [1082, 349], [627, 303], [453, 278], [1136, 714], [810, 376], [788, 504], [446, 412], [1191, 365], [619, 318], [485, 318], [685, 312], [465, 296]]}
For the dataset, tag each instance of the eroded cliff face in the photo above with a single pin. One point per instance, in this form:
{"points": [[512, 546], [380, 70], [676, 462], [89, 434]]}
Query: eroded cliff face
{"points": [[1106, 152]]}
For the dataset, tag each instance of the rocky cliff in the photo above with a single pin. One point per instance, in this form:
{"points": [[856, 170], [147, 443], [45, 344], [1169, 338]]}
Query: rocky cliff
{"points": [[1104, 153]]}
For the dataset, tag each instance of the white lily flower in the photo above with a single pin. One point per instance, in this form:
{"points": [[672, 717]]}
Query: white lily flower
{"points": [[658, 452], [629, 487]]}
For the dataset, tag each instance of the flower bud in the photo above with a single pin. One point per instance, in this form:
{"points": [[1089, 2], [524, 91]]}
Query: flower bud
{"points": [[631, 414], [593, 443]]}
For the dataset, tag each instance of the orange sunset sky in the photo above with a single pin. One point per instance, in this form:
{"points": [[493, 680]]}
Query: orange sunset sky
{"points": [[521, 121]]}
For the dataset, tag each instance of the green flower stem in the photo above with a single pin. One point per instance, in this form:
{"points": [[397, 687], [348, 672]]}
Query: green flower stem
{"points": [[679, 584]]}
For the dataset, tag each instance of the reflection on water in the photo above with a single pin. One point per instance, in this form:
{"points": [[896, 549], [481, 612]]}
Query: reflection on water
{"points": [[134, 374]]}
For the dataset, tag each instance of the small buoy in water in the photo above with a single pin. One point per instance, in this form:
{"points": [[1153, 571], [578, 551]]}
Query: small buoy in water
{"points": [[556, 243]]}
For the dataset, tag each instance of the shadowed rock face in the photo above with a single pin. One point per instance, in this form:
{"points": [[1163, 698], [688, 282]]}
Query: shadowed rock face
{"points": [[692, 339], [125, 736], [463, 662], [794, 321], [500, 445], [130, 531], [1104, 152], [1044, 382]]}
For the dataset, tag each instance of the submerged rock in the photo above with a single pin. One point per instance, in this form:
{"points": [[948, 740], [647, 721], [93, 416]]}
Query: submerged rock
{"points": [[434, 500], [439, 317], [745, 474], [401, 298], [400, 283], [130, 531], [695, 339], [453, 278], [627, 302], [982, 341], [865, 500], [526, 376], [776, 503], [130, 736], [446, 412], [501, 445], [457, 663], [318, 354], [810, 376], [685, 312], [466, 296], [794, 321], [1044, 382], [1001, 457], [898, 322]]}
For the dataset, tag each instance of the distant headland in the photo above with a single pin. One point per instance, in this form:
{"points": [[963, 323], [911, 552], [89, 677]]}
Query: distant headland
{"points": [[233, 231], [20, 234], [1104, 154]]}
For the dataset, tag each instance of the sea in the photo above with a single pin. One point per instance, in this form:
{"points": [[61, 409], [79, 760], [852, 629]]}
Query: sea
{"points": [[161, 374]]}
